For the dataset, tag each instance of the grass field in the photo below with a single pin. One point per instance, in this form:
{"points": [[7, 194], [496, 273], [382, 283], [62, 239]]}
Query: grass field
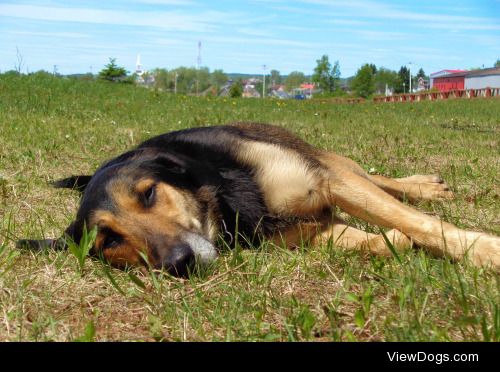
{"points": [[52, 128]]}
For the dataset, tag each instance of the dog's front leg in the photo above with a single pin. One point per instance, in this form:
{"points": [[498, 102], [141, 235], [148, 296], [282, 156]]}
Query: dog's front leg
{"points": [[333, 229]]}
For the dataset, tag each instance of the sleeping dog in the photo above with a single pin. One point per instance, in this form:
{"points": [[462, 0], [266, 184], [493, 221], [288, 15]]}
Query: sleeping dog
{"points": [[165, 203]]}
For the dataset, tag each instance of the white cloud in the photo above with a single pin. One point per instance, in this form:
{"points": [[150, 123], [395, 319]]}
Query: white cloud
{"points": [[255, 32], [165, 2], [382, 35], [169, 20], [70, 35], [360, 9], [259, 41]]}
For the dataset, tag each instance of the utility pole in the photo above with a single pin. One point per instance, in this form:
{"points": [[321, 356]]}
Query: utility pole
{"points": [[264, 81], [198, 65], [175, 84], [409, 69]]}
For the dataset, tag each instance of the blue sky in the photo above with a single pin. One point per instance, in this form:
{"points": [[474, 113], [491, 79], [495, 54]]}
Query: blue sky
{"points": [[242, 36]]}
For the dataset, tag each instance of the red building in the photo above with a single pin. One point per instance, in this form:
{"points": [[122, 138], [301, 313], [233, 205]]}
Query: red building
{"points": [[445, 82]]}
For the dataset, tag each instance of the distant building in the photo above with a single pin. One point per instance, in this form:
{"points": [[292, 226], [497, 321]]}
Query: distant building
{"points": [[143, 77], [480, 79], [447, 80], [305, 90], [225, 90], [475, 79], [250, 92], [442, 73], [422, 84], [279, 91], [138, 66]]}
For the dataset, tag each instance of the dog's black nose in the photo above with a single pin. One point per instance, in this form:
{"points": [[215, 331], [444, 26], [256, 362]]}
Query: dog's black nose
{"points": [[180, 260]]}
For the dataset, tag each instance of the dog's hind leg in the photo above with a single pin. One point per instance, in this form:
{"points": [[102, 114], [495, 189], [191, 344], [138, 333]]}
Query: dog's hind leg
{"points": [[361, 198], [414, 188]]}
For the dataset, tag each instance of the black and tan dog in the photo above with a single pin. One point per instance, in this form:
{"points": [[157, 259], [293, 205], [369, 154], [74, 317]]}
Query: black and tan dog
{"points": [[171, 197]]}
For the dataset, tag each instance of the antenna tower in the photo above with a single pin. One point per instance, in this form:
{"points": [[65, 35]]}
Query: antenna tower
{"points": [[198, 60]]}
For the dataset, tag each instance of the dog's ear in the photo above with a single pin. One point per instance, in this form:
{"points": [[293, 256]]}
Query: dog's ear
{"points": [[171, 163], [78, 183], [185, 171], [57, 244], [41, 245]]}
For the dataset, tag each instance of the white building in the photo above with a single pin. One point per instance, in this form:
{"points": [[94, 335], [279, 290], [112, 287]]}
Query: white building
{"points": [[480, 79], [138, 67]]}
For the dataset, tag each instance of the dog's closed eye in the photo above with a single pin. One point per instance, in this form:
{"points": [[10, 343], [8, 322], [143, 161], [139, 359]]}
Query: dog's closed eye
{"points": [[149, 196], [111, 239]]}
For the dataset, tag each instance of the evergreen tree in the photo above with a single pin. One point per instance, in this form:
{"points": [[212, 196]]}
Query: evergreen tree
{"points": [[374, 68], [236, 89], [421, 74], [403, 80], [113, 72]]}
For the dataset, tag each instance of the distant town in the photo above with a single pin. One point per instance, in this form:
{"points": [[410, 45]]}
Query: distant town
{"points": [[326, 81]]}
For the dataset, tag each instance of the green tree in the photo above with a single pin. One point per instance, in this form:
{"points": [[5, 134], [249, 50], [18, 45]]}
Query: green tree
{"points": [[326, 76], [202, 80], [363, 83], [113, 72], [236, 89], [190, 80], [497, 63], [184, 79], [294, 79], [336, 75], [275, 77], [259, 85], [421, 74], [403, 80], [218, 78], [385, 77], [162, 79]]}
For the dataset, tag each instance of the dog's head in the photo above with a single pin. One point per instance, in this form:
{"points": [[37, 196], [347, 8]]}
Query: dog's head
{"points": [[147, 209]]}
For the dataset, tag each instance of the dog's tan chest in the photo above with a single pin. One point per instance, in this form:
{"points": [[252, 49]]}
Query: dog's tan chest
{"points": [[290, 185]]}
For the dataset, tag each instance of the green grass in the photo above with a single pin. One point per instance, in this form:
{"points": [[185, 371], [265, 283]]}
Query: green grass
{"points": [[51, 128]]}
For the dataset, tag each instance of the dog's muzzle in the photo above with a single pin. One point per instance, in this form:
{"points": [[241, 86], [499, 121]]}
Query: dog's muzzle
{"points": [[194, 249]]}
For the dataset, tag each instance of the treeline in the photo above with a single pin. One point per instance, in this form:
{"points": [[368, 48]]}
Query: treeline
{"points": [[368, 80], [371, 80], [187, 80]]}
